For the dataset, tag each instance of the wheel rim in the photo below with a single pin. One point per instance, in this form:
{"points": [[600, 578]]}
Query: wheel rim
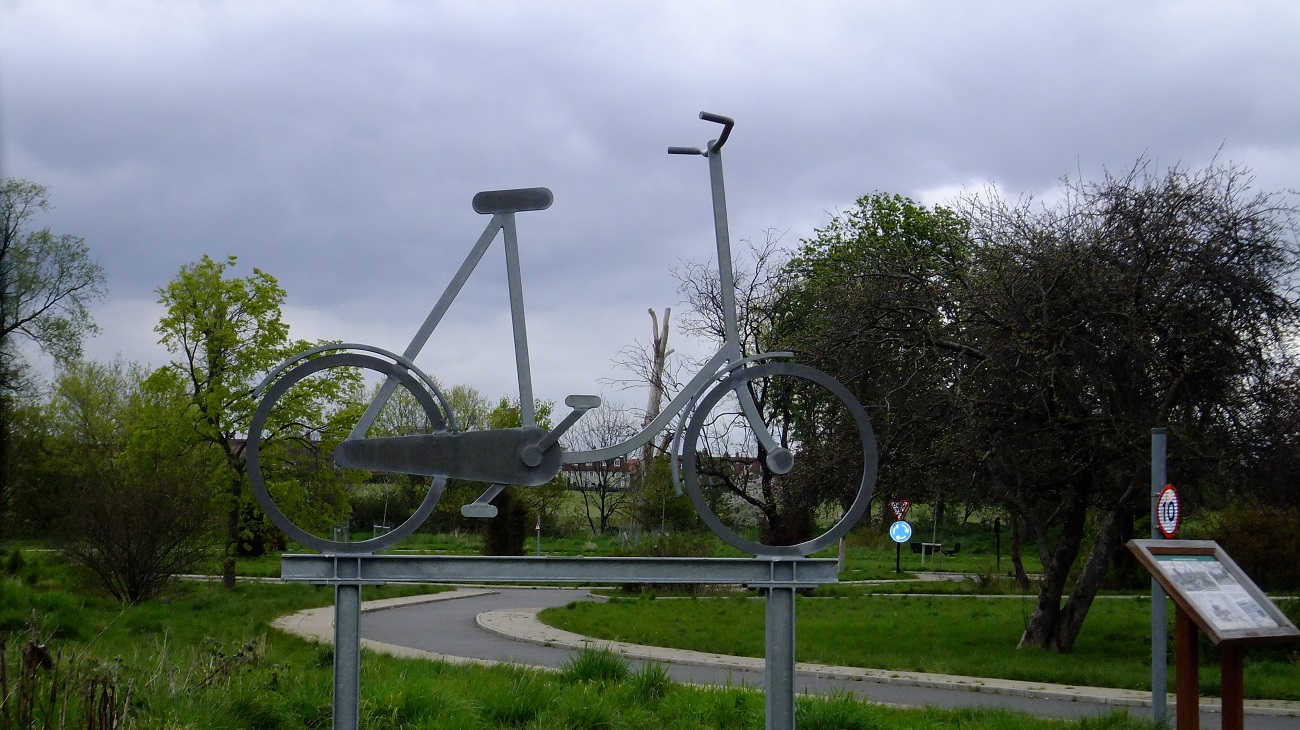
{"points": [[416, 385], [866, 437]]}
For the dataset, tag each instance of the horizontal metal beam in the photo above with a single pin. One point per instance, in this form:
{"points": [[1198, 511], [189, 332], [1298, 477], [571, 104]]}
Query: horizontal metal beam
{"points": [[757, 572]]}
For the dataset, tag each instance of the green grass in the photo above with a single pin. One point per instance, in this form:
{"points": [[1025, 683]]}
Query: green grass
{"points": [[949, 635], [203, 657]]}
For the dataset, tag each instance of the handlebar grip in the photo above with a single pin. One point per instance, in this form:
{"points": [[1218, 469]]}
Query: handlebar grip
{"points": [[726, 122], [685, 151]]}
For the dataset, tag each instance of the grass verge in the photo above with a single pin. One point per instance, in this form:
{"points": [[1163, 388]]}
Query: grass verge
{"points": [[948, 635], [203, 657]]}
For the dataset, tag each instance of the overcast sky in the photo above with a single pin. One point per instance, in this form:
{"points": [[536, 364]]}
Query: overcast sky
{"points": [[337, 145]]}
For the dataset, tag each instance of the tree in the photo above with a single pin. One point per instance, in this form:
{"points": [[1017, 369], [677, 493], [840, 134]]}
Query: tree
{"points": [[650, 489], [139, 511], [732, 464], [1043, 343], [875, 303], [47, 283], [226, 333], [604, 485]]}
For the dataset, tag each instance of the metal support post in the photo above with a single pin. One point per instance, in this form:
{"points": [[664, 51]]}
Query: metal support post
{"points": [[347, 656], [1159, 620], [778, 667]]}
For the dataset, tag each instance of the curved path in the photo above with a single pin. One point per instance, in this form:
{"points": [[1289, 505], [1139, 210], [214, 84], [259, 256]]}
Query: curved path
{"points": [[499, 625]]}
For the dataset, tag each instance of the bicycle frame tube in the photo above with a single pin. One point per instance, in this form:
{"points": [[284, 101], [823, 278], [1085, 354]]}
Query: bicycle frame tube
{"points": [[728, 354], [726, 277], [727, 282], [499, 222]]}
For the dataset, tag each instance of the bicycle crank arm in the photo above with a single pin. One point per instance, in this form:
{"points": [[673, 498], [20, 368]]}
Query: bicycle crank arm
{"points": [[480, 456]]}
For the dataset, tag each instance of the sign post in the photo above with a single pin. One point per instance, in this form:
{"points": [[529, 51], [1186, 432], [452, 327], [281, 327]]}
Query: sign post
{"points": [[900, 532], [1159, 620]]}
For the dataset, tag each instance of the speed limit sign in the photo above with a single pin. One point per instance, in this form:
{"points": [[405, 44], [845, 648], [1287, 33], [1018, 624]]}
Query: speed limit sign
{"points": [[1168, 511]]}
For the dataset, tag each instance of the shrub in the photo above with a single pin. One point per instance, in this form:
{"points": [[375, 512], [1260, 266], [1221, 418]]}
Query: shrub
{"points": [[836, 711], [1263, 542], [595, 665], [650, 683], [14, 563]]}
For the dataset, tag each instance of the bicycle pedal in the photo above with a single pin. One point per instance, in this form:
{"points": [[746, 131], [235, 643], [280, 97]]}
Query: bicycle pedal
{"points": [[481, 507], [476, 510]]}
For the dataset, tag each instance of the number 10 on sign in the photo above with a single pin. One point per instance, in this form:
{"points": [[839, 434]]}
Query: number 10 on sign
{"points": [[1169, 513]]}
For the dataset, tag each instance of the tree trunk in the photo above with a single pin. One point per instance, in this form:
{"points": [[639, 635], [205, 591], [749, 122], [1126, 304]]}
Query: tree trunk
{"points": [[232, 535], [5, 496], [1109, 537], [1042, 626], [1017, 563], [660, 355]]}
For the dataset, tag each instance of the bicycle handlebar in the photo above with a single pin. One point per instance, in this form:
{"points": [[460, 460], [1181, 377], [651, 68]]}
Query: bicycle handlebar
{"points": [[726, 122]]}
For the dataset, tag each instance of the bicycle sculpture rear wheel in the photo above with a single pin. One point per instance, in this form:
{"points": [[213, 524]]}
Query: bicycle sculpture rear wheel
{"points": [[433, 414], [829, 460]]}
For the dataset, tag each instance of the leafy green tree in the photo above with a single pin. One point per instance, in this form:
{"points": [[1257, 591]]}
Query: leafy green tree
{"points": [[657, 507], [47, 283], [876, 305], [138, 509], [1038, 345], [225, 333]]}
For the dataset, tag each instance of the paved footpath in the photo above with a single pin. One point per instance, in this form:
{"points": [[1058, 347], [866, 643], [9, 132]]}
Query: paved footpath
{"points": [[487, 626]]}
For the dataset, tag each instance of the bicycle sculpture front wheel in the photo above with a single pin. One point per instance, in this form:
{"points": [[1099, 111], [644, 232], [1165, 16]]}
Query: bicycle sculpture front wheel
{"points": [[782, 464], [304, 413]]}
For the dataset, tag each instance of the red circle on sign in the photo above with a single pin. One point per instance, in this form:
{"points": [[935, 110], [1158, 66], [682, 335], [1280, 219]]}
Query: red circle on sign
{"points": [[1169, 512]]}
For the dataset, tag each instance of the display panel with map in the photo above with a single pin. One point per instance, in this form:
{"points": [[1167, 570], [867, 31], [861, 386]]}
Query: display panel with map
{"points": [[1206, 583]]}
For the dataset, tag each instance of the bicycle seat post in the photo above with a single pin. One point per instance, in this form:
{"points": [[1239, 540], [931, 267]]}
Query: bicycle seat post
{"points": [[503, 204], [523, 368]]}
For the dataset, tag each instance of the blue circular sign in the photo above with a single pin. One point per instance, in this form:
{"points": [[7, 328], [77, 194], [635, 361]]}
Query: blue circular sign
{"points": [[900, 531]]}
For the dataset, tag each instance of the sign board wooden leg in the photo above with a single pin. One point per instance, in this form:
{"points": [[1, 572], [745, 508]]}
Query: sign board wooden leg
{"points": [[1231, 686], [1187, 677]]}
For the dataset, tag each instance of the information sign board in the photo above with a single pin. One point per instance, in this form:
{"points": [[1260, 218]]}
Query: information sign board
{"points": [[1169, 511], [1208, 585], [900, 507], [900, 531]]}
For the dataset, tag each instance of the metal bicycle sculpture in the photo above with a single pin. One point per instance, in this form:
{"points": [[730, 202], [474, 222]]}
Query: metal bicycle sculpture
{"points": [[531, 455]]}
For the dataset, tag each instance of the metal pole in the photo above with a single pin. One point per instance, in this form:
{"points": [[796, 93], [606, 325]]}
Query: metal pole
{"points": [[347, 656], [1159, 621], [778, 667]]}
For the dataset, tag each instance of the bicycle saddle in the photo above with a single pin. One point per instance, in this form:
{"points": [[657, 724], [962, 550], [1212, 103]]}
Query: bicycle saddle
{"points": [[512, 201]]}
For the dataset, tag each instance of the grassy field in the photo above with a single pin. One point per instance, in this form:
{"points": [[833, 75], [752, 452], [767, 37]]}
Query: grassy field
{"points": [[203, 657], [954, 635], [867, 558]]}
